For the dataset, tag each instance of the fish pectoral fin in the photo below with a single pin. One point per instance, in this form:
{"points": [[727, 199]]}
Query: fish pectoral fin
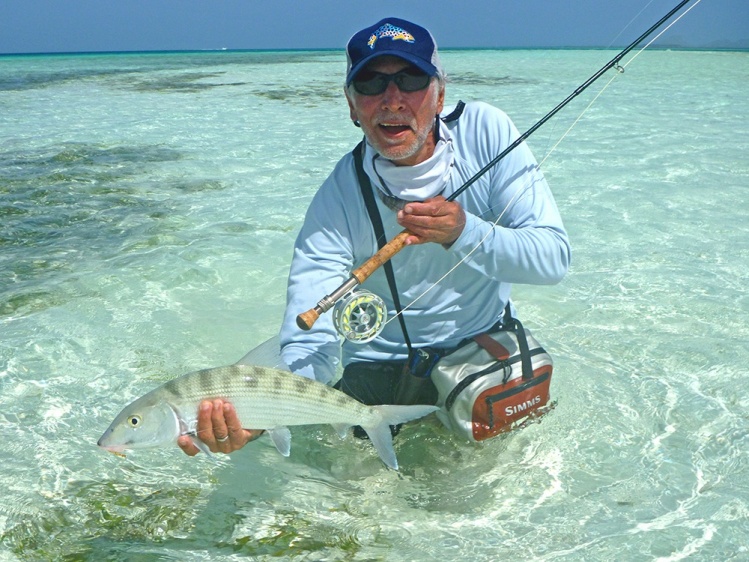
{"points": [[198, 443], [202, 446], [341, 429], [191, 429], [281, 437]]}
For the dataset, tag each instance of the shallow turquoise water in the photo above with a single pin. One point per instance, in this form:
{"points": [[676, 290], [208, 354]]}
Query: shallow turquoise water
{"points": [[149, 204]]}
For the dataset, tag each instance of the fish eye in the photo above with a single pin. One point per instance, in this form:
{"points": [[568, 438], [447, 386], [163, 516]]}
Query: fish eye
{"points": [[134, 421]]}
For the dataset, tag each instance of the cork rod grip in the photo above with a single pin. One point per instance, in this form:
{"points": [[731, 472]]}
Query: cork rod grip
{"points": [[384, 254]]}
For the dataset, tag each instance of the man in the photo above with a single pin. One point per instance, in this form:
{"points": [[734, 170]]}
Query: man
{"points": [[504, 229]]}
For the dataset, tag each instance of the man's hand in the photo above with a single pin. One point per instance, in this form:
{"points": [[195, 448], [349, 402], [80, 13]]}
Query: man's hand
{"points": [[435, 220], [219, 428]]}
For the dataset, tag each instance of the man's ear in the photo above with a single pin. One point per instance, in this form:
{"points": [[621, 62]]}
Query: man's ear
{"points": [[441, 100]]}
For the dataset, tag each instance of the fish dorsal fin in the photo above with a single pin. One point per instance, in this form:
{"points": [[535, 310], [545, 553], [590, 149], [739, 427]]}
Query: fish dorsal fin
{"points": [[281, 437]]}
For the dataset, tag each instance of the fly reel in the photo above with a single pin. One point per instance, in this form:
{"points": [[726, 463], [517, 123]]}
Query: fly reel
{"points": [[359, 316]]}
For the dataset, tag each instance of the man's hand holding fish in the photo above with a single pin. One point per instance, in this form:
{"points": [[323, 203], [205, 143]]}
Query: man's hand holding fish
{"points": [[219, 428]]}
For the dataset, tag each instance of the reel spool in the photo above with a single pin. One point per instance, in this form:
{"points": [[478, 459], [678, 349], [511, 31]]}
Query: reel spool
{"points": [[359, 316]]}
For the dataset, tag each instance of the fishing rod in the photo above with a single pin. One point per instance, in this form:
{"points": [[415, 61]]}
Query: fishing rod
{"points": [[307, 319]]}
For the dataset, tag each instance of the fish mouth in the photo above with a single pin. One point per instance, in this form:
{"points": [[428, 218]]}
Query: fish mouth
{"points": [[116, 449], [111, 448]]}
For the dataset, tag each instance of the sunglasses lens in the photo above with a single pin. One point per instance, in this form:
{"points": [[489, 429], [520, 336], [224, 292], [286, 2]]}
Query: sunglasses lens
{"points": [[371, 83], [411, 80]]}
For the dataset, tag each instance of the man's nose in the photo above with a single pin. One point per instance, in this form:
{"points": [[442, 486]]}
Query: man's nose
{"points": [[392, 97]]}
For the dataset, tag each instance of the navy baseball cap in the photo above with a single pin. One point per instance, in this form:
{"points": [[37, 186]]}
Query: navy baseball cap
{"points": [[395, 37]]}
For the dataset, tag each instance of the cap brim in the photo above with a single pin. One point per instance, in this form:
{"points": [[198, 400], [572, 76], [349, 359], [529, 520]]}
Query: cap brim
{"points": [[418, 62]]}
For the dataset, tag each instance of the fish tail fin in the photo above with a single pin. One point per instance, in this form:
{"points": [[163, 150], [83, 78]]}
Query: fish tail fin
{"points": [[380, 434], [393, 415]]}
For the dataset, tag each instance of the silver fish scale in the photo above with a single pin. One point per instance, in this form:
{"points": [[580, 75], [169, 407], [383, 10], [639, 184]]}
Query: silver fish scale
{"points": [[265, 398]]}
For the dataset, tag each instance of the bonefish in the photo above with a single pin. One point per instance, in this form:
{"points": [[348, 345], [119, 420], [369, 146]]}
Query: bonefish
{"points": [[264, 398]]}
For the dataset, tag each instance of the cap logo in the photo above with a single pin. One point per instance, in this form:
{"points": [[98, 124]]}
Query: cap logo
{"points": [[388, 30]]}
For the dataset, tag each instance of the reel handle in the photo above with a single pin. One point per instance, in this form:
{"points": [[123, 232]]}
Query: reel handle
{"points": [[306, 320]]}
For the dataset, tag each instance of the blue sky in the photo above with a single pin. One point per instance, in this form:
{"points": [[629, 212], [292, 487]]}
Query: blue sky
{"points": [[33, 26]]}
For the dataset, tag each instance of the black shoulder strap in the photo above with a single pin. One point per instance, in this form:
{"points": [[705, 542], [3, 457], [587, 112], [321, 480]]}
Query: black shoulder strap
{"points": [[374, 215], [525, 352], [457, 112]]}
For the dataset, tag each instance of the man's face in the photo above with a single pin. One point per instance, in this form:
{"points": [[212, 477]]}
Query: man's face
{"points": [[398, 124]]}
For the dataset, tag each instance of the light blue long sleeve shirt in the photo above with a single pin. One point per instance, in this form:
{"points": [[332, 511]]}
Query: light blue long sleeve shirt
{"points": [[513, 234]]}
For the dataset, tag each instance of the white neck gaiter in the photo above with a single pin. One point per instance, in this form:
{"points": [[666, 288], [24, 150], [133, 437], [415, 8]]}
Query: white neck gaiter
{"points": [[412, 183]]}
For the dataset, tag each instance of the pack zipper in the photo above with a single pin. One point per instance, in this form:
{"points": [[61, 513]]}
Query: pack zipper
{"points": [[503, 364]]}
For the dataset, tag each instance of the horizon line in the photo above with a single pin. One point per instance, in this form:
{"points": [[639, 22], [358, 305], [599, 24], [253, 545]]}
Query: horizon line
{"points": [[661, 47]]}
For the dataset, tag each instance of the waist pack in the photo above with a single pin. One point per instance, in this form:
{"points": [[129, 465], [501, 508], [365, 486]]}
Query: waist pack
{"points": [[494, 380]]}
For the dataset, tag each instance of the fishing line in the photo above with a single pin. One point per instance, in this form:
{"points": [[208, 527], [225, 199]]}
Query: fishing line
{"points": [[580, 89], [609, 46], [620, 70], [645, 7]]}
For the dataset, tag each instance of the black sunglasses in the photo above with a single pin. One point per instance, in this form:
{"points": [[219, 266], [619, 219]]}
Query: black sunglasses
{"points": [[371, 83]]}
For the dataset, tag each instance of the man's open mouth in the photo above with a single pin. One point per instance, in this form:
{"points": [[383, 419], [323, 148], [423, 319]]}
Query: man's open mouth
{"points": [[394, 128]]}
